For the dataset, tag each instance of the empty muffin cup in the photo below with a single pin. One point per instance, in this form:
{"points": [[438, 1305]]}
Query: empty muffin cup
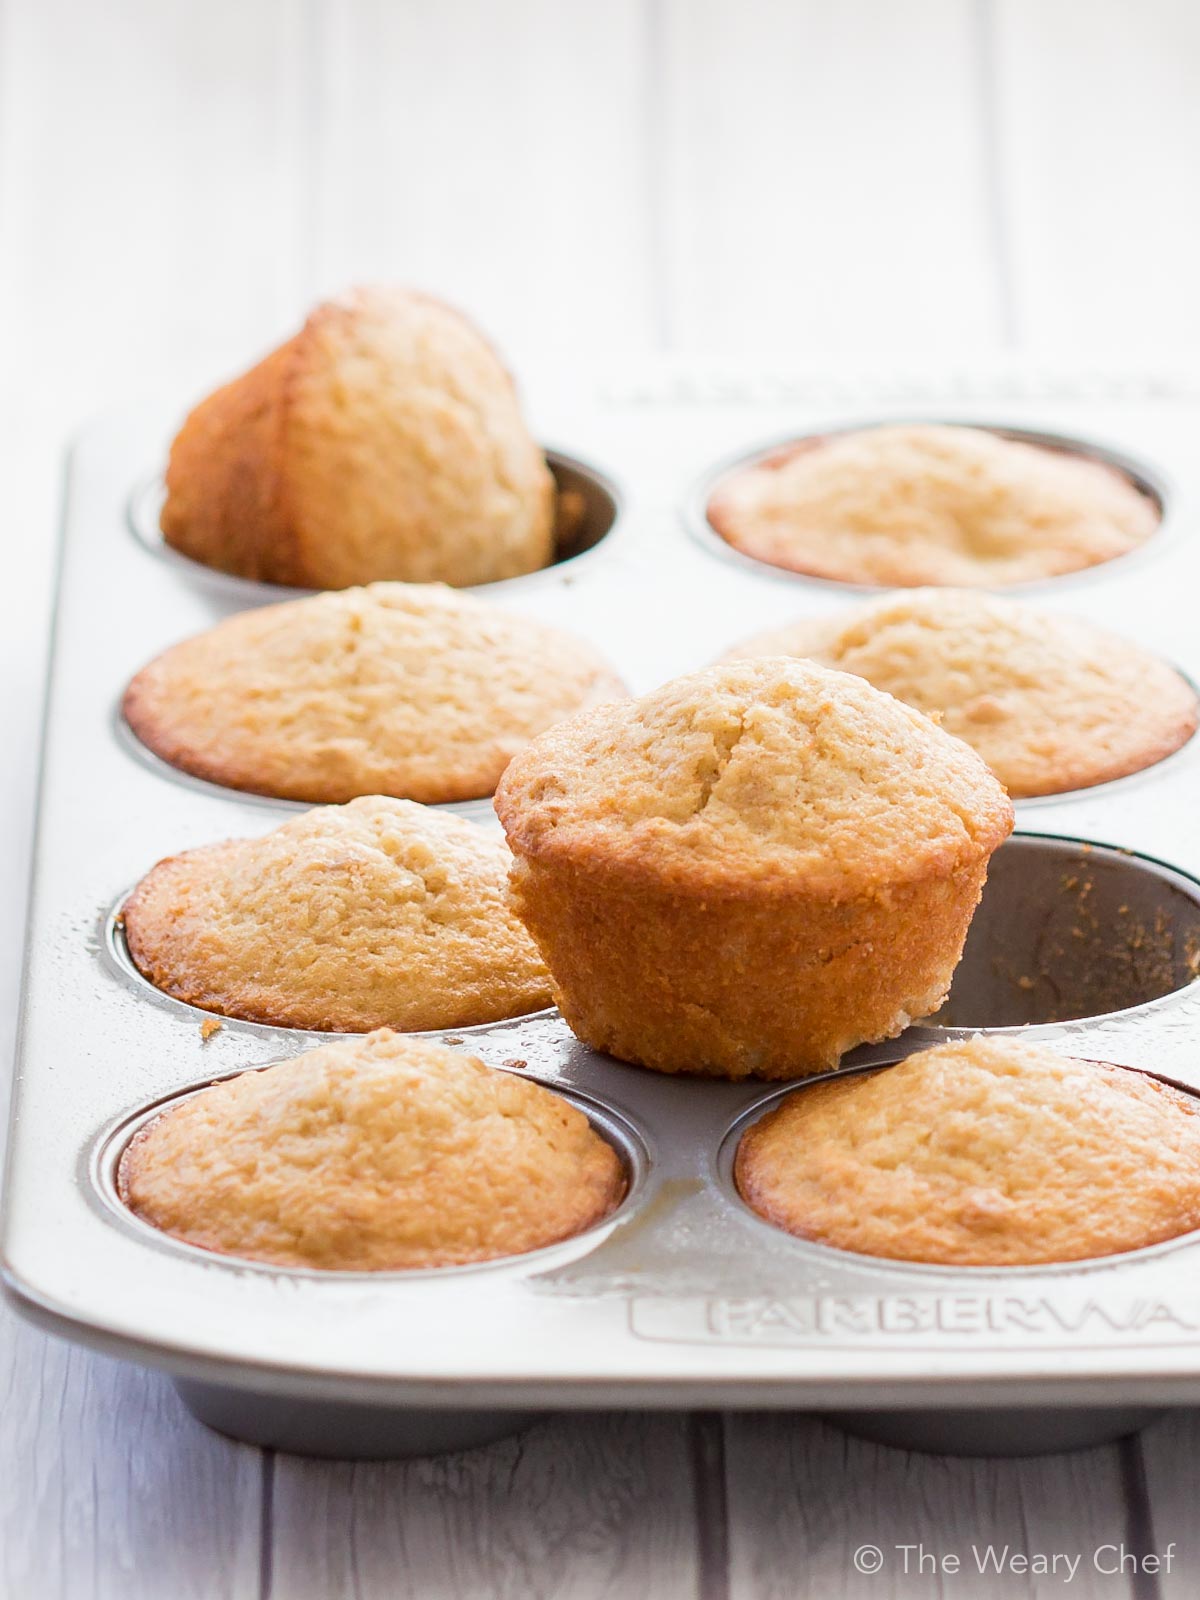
{"points": [[1068, 930]]}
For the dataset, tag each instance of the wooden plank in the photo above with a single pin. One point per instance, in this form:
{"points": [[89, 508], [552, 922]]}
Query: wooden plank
{"points": [[804, 1497], [1099, 127], [1166, 1495], [493, 155], [110, 1490], [825, 178], [577, 1507]]}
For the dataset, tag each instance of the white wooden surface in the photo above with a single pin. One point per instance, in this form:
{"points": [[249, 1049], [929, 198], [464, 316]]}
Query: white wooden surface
{"points": [[790, 177]]}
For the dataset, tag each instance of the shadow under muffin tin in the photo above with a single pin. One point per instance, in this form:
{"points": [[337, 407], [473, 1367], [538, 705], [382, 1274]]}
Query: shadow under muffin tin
{"points": [[683, 1296]]}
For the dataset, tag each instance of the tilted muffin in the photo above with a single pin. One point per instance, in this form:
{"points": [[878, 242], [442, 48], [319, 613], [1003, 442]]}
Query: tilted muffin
{"points": [[372, 1155], [1050, 702], [750, 870], [402, 689], [383, 440], [984, 1153], [926, 503], [376, 914]]}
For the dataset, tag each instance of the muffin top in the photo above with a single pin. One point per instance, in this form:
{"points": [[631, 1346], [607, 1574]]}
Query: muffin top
{"points": [[986, 1153], [400, 689], [383, 441], [379, 913], [372, 1155], [1050, 702], [925, 503], [773, 775]]}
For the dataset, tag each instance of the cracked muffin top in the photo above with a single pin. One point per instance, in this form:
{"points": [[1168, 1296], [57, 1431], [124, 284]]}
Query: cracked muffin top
{"points": [[773, 773], [927, 503], [399, 689], [382, 441], [985, 1153], [379, 913], [373, 1155], [1050, 702]]}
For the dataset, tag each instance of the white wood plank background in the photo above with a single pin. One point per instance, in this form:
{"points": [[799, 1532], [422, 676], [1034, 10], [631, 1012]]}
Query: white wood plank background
{"points": [[791, 177]]}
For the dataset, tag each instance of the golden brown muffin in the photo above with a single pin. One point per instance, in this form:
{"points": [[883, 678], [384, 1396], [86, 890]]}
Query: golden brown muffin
{"points": [[372, 1155], [383, 440], [1050, 702], [750, 870], [376, 914], [986, 1153], [924, 503], [401, 689]]}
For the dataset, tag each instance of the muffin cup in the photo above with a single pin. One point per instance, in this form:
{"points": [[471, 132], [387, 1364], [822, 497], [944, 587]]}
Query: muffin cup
{"points": [[1148, 481], [103, 1165], [730, 1174], [1070, 930], [118, 957], [690, 981], [588, 508]]}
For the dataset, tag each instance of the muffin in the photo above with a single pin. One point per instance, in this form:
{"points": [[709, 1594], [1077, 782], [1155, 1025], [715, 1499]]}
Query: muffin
{"points": [[372, 1155], [383, 440], [1050, 702], [399, 689], [985, 1153], [376, 914], [750, 870], [924, 503]]}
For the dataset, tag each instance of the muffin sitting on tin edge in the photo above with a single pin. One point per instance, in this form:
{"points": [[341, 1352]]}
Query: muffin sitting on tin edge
{"points": [[919, 503], [750, 870], [982, 1153], [383, 441], [373, 1155], [380, 913], [1050, 702], [401, 689]]}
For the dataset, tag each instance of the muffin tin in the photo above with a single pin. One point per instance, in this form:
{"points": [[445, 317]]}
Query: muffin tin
{"points": [[1088, 937]]}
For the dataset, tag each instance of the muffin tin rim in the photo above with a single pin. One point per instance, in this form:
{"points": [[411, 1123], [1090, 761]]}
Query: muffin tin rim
{"points": [[1150, 479], [144, 501], [721, 1174], [100, 1160]]}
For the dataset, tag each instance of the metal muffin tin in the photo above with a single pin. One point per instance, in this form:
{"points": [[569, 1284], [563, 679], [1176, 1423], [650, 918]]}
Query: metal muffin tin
{"points": [[1088, 937]]}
